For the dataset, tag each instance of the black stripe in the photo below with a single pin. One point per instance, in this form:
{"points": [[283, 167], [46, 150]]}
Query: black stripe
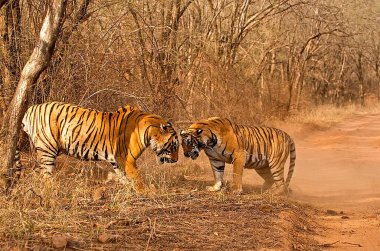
{"points": [[130, 152]]}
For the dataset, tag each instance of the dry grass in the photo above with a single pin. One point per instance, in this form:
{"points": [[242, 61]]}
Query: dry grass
{"points": [[329, 114], [180, 216], [321, 118]]}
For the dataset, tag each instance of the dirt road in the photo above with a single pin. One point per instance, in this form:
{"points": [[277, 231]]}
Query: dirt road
{"points": [[339, 169]]}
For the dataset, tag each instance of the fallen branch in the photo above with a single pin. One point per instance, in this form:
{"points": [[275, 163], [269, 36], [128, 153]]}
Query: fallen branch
{"points": [[343, 242], [329, 244], [353, 244]]}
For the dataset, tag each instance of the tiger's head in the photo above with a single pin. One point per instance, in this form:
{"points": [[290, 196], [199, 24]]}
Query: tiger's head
{"points": [[164, 142], [196, 138]]}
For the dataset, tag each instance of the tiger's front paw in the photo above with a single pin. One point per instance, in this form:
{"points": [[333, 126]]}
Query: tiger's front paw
{"points": [[146, 192], [212, 189], [278, 191], [47, 176], [215, 188], [236, 190], [117, 176]]}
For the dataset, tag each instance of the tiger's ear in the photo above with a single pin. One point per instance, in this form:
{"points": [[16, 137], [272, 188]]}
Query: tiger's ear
{"points": [[199, 131]]}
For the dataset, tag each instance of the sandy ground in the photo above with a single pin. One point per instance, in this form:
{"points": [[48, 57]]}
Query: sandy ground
{"points": [[339, 169]]}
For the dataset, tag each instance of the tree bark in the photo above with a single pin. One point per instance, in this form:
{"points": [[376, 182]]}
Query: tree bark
{"points": [[44, 85], [377, 71], [360, 74], [37, 62], [295, 76]]}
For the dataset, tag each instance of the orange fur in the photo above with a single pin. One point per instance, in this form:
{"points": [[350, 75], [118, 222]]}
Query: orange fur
{"points": [[119, 137], [265, 149]]}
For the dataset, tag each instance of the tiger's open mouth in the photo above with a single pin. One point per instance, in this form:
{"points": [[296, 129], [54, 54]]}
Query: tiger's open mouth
{"points": [[165, 156]]}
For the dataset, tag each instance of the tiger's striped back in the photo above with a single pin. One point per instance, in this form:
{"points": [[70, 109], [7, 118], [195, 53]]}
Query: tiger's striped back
{"points": [[79, 132]]}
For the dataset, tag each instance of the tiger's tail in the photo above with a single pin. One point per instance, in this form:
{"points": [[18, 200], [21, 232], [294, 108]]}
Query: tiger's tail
{"points": [[292, 163], [18, 165]]}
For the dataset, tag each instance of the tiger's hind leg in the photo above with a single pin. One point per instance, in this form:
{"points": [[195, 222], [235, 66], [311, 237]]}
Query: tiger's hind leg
{"points": [[266, 174], [118, 175], [46, 161], [17, 169], [277, 170]]}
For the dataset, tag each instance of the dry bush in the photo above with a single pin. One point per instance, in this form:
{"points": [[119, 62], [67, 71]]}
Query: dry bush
{"points": [[206, 67], [251, 61]]}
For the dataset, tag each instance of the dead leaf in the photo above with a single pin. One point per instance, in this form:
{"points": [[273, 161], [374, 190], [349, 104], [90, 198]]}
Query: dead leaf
{"points": [[15, 249], [109, 224], [266, 208], [99, 194], [153, 189], [59, 241], [105, 238]]}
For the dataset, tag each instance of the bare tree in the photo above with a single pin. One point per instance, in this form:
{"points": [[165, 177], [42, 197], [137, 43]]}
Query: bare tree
{"points": [[158, 45], [37, 62], [44, 85], [308, 40]]}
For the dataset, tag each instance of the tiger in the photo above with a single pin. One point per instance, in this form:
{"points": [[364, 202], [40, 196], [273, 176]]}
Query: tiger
{"points": [[264, 149], [116, 137]]}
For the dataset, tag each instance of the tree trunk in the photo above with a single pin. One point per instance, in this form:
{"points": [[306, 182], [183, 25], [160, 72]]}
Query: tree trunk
{"points": [[377, 71], [295, 85], [37, 62], [293, 92], [261, 93], [360, 73], [44, 85]]}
